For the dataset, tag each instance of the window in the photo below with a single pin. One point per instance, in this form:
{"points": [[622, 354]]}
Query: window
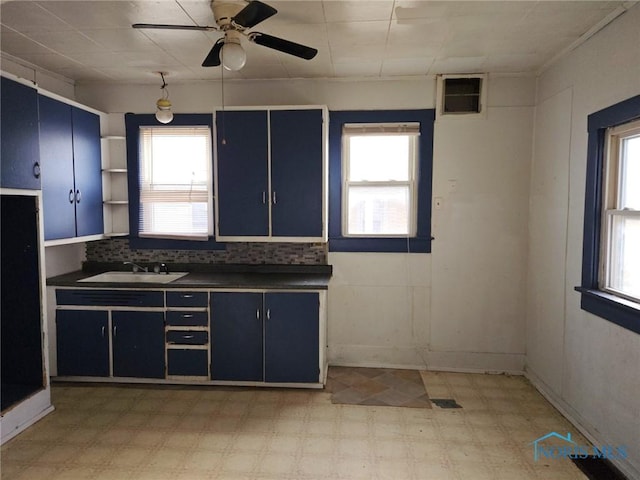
{"points": [[620, 257], [610, 252], [160, 192], [380, 167], [379, 163], [175, 182]]}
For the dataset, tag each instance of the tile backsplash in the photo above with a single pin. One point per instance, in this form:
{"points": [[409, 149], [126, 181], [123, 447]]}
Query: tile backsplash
{"points": [[117, 250]]}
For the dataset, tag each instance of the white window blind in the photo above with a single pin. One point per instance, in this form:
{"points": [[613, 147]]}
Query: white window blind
{"points": [[175, 182]]}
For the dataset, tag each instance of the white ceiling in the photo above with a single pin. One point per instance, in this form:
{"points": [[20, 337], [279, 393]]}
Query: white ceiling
{"points": [[93, 40]]}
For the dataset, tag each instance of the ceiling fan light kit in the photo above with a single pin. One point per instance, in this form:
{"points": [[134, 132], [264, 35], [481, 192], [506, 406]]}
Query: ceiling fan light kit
{"points": [[234, 18], [163, 105], [232, 54]]}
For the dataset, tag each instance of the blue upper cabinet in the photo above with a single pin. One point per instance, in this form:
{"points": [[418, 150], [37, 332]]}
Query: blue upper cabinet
{"points": [[19, 156], [270, 176], [242, 141], [87, 166], [71, 170], [296, 173], [58, 187]]}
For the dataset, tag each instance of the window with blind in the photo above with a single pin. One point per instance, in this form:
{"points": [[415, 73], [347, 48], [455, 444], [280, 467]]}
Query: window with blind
{"points": [[175, 182], [379, 179]]}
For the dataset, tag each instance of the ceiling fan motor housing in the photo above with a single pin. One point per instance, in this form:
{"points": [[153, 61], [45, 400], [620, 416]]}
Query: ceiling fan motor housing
{"points": [[224, 11]]}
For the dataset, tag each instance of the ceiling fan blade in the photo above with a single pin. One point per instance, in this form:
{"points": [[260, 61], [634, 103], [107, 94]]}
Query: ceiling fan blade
{"points": [[159, 26], [283, 45], [254, 13], [213, 59]]}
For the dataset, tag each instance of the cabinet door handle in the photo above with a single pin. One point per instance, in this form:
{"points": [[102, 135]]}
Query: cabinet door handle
{"points": [[78, 196], [258, 314], [264, 197], [36, 170], [274, 198], [71, 196], [103, 331], [115, 330], [268, 314]]}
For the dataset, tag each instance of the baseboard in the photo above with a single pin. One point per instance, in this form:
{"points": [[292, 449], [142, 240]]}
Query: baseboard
{"points": [[582, 425], [423, 359]]}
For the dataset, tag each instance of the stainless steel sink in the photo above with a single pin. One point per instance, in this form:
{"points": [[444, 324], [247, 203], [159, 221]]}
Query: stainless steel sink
{"points": [[137, 277]]}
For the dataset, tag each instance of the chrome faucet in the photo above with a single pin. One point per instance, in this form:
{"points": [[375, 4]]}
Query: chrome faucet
{"points": [[136, 267]]}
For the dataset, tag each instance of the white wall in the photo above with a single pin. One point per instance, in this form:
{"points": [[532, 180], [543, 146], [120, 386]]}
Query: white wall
{"points": [[588, 366], [459, 308]]}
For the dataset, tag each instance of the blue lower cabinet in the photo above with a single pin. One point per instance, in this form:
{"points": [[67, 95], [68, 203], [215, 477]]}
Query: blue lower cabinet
{"points": [[82, 343], [271, 337], [187, 362], [236, 336], [291, 342], [138, 344]]}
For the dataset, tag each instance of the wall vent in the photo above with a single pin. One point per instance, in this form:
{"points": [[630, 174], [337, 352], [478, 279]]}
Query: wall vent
{"points": [[461, 94]]}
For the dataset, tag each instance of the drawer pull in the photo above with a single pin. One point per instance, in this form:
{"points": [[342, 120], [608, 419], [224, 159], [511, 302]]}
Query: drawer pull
{"points": [[187, 295], [187, 315], [186, 337]]}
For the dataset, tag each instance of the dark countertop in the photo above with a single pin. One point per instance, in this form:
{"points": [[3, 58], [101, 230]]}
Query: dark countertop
{"points": [[276, 277]]}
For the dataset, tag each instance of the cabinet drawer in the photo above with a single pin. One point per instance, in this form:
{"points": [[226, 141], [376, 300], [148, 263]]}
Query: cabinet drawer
{"points": [[186, 337], [187, 362], [200, 319], [125, 298], [187, 299]]}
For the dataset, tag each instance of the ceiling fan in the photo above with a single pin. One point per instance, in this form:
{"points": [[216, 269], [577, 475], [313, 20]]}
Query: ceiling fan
{"points": [[234, 18]]}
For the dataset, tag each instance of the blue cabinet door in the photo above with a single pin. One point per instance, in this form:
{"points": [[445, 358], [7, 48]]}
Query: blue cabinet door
{"points": [[58, 188], [296, 173], [236, 336], [138, 344], [291, 337], [242, 173], [87, 168], [19, 150], [82, 343]]}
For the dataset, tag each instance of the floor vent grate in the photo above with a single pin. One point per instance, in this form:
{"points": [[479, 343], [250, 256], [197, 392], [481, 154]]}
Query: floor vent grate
{"points": [[446, 403]]}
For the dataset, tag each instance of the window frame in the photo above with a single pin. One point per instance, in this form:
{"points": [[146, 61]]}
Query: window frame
{"points": [[420, 242], [411, 182], [595, 300], [612, 200], [133, 122]]}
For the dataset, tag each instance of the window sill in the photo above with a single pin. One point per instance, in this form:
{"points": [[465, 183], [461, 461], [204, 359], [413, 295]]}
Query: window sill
{"points": [[620, 311], [382, 245]]}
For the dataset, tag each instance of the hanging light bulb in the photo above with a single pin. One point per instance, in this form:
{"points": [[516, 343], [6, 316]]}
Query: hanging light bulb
{"points": [[163, 112], [233, 55]]}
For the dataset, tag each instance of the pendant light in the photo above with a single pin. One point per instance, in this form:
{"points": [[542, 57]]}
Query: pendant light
{"points": [[163, 112]]}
